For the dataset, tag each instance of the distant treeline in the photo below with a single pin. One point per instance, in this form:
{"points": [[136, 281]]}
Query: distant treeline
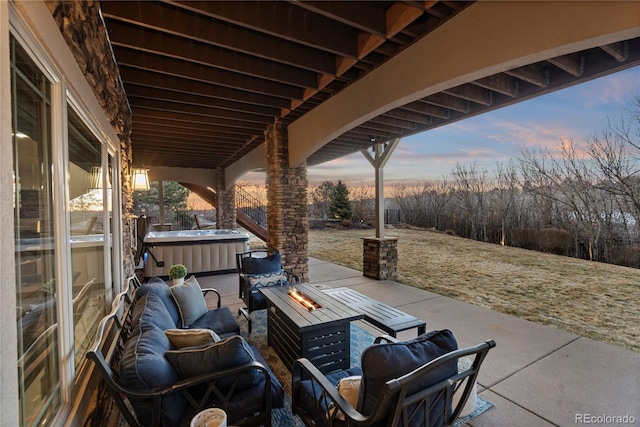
{"points": [[578, 201]]}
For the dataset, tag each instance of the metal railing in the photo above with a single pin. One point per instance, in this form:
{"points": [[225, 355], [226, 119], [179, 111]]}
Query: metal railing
{"points": [[251, 206]]}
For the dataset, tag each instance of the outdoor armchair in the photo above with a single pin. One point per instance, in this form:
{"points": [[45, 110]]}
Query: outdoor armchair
{"points": [[257, 269], [408, 383]]}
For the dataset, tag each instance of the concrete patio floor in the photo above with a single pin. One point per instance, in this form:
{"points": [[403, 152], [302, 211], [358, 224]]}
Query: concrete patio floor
{"points": [[536, 376]]}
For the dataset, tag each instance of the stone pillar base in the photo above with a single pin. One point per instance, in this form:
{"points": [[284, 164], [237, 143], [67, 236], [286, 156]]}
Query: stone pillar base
{"points": [[380, 258]]}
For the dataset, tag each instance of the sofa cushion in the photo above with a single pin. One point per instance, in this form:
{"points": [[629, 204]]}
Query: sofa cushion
{"points": [[230, 352], [180, 338], [401, 358], [160, 288], [143, 367], [260, 265], [249, 401], [190, 301], [220, 320], [149, 310]]}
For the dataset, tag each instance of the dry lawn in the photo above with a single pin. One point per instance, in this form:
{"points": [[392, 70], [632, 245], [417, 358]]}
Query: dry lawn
{"points": [[595, 300]]}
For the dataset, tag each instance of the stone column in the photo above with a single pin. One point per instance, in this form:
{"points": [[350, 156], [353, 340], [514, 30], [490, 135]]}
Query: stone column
{"points": [[225, 203], [287, 208], [380, 258]]}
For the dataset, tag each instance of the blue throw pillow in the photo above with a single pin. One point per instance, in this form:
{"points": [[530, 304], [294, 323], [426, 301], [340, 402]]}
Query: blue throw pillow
{"points": [[233, 351], [383, 362], [157, 286], [255, 265]]}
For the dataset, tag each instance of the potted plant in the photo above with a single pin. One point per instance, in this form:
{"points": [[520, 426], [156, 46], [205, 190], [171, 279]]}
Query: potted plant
{"points": [[177, 273]]}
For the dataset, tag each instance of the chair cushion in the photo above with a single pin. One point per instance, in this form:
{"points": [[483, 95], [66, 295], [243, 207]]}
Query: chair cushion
{"points": [[401, 358], [220, 320], [255, 265], [159, 287], [230, 352], [180, 338], [149, 311], [142, 365], [190, 301]]}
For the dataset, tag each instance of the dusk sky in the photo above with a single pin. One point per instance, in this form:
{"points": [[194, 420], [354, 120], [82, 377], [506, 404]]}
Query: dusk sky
{"points": [[577, 112]]}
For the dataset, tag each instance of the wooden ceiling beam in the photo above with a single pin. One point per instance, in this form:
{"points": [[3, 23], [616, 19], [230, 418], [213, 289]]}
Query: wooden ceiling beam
{"points": [[447, 101], [176, 134], [427, 109], [161, 17], [131, 37], [368, 17], [411, 116], [472, 93], [619, 50], [500, 83], [287, 21], [572, 64], [192, 118], [198, 110], [135, 76], [194, 143], [164, 123], [161, 64], [142, 92], [530, 74]]}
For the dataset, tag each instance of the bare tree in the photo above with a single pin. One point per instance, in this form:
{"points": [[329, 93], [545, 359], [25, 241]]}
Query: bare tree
{"points": [[616, 151], [568, 180], [470, 185], [504, 195]]}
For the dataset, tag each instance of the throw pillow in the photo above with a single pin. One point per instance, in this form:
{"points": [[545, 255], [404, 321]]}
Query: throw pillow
{"points": [[233, 351], [274, 278], [349, 388], [259, 265], [190, 301], [180, 338]]}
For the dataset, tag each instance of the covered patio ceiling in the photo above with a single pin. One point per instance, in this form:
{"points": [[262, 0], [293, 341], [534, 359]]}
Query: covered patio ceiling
{"points": [[205, 78]]}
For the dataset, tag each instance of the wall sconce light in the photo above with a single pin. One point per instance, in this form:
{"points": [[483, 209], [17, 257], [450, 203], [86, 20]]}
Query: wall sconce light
{"points": [[140, 179]]}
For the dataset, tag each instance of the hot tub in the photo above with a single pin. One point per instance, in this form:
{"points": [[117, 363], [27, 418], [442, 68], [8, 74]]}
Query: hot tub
{"points": [[202, 251]]}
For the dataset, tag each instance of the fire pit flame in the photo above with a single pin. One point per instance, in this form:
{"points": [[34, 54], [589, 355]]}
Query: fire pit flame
{"points": [[303, 300]]}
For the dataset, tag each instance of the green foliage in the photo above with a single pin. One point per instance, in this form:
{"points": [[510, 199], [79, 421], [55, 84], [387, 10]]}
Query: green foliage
{"points": [[321, 199], [340, 206], [174, 195], [177, 271]]}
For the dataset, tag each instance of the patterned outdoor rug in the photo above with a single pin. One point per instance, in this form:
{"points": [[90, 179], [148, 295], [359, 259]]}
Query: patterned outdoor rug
{"points": [[360, 339]]}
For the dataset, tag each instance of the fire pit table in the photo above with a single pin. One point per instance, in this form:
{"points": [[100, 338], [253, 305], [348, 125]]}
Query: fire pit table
{"points": [[318, 330]]}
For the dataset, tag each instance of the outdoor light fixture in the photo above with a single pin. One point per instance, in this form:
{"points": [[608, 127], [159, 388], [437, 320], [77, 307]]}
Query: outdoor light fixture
{"points": [[140, 179]]}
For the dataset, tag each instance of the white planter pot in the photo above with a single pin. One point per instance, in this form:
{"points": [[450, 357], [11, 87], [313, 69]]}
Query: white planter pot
{"points": [[179, 281]]}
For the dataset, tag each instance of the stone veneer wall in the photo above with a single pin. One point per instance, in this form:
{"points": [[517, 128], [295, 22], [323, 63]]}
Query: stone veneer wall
{"points": [[380, 258], [287, 208], [82, 28], [225, 203]]}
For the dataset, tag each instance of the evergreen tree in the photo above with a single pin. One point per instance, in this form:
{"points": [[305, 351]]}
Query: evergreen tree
{"points": [[341, 207]]}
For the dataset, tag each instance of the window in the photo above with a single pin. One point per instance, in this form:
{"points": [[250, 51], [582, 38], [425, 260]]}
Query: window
{"points": [[65, 195], [38, 366], [86, 206]]}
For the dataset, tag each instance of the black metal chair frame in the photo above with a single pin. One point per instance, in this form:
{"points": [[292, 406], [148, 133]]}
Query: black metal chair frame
{"points": [[394, 395], [243, 288]]}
